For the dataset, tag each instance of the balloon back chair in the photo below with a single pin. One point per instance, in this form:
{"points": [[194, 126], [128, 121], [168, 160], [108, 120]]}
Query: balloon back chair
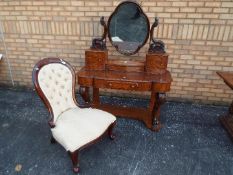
{"points": [[72, 125]]}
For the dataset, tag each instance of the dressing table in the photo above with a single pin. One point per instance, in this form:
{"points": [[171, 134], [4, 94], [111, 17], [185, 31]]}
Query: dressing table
{"points": [[128, 30]]}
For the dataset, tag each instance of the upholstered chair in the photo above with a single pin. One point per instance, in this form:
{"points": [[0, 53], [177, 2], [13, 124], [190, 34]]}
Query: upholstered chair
{"points": [[73, 126]]}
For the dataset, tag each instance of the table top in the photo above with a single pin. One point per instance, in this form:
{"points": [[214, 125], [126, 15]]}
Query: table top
{"points": [[126, 76], [227, 77]]}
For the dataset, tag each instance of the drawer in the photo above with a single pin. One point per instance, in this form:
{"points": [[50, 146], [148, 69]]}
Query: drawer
{"points": [[125, 66], [95, 60], [156, 63], [122, 85]]}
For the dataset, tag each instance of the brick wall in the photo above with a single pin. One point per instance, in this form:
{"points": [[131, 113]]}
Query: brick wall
{"points": [[198, 36]]}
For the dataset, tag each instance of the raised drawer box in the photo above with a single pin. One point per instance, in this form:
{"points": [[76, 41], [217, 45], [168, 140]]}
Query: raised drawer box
{"points": [[95, 59], [156, 63]]}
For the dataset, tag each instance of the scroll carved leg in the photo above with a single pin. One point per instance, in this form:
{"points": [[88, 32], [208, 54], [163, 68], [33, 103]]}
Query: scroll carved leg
{"points": [[84, 92], [110, 131], [155, 104], [156, 120], [74, 158]]}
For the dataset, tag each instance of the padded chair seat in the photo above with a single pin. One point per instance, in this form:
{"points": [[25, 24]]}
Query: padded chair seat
{"points": [[77, 127]]}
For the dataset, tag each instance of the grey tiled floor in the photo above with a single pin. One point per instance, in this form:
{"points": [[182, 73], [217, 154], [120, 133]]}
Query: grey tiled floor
{"points": [[192, 141]]}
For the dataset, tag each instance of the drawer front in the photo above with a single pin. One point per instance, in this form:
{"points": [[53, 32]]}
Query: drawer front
{"points": [[156, 63], [95, 60], [122, 85], [125, 68]]}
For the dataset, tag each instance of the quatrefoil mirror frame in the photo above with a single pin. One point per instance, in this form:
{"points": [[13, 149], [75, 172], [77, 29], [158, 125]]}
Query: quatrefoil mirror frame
{"points": [[123, 50]]}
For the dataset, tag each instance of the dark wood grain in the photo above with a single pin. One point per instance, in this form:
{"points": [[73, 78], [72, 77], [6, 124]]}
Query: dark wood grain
{"points": [[148, 75], [227, 122], [95, 59], [74, 159], [124, 76], [84, 92], [128, 79], [227, 77], [156, 63], [125, 66]]}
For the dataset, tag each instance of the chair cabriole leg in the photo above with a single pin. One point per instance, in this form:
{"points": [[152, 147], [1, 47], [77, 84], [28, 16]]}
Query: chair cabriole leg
{"points": [[74, 158], [110, 131], [52, 140]]}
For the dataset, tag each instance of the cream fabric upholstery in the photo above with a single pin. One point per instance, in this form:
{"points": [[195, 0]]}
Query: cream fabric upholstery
{"points": [[55, 81], [76, 127]]}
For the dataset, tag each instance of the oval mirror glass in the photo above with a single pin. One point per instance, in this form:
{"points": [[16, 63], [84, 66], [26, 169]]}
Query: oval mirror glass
{"points": [[128, 28]]}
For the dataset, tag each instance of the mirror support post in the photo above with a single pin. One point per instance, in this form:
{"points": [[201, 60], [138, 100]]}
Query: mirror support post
{"points": [[100, 43], [157, 46]]}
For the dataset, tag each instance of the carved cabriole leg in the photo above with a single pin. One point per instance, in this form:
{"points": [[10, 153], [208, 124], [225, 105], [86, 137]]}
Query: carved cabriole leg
{"points": [[149, 119], [155, 112], [84, 92], [52, 140], [110, 131], [74, 158]]}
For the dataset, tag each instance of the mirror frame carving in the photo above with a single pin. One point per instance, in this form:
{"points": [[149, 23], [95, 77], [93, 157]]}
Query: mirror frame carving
{"points": [[147, 21], [155, 46]]}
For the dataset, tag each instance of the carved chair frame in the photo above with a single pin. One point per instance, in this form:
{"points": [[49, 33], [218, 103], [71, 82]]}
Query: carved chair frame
{"points": [[36, 70]]}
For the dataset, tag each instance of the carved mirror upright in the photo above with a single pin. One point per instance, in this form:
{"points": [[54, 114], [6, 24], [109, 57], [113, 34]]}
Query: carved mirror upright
{"points": [[128, 29]]}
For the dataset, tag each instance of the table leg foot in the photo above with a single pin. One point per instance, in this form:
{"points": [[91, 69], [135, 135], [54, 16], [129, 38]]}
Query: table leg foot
{"points": [[156, 126], [157, 100], [84, 92]]}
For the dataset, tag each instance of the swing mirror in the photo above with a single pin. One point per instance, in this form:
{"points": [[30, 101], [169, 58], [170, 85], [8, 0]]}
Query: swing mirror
{"points": [[128, 28]]}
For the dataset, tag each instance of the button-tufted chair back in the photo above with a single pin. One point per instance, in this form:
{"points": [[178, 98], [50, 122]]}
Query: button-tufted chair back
{"points": [[55, 80]]}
